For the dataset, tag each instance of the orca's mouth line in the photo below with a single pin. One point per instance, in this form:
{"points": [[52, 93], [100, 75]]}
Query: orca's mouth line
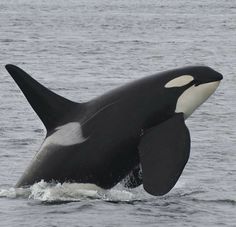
{"points": [[197, 83]]}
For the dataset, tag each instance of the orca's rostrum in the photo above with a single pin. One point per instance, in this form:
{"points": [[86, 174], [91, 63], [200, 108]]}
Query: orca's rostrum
{"points": [[136, 132]]}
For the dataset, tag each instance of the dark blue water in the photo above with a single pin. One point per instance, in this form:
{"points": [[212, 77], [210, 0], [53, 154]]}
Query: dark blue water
{"points": [[80, 49]]}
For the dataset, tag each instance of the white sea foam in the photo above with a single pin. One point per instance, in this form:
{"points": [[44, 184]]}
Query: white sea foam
{"points": [[15, 193], [49, 192], [53, 192]]}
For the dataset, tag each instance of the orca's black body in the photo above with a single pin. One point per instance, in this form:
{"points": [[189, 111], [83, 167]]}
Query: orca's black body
{"points": [[137, 126]]}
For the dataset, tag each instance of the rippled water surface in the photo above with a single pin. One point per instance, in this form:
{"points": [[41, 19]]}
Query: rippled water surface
{"points": [[80, 49]]}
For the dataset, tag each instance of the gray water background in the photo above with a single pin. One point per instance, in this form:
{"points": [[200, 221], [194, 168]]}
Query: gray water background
{"points": [[81, 49]]}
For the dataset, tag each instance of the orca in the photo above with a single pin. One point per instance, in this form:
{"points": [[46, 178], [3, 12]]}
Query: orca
{"points": [[135, 134]]}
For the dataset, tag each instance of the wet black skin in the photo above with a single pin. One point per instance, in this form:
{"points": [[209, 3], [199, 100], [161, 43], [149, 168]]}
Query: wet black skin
{"points": [[113, 125]]}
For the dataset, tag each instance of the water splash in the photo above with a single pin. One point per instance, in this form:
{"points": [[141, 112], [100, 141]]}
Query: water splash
{"points": [[69, 192], [15, 193]]}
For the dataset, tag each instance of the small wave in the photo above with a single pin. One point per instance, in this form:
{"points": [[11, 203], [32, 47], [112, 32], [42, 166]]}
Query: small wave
{"points": [[71, 192], [217, 201]]}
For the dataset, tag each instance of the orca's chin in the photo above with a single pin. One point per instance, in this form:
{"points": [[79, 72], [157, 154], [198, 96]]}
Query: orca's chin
{"points": [[194, 96]]}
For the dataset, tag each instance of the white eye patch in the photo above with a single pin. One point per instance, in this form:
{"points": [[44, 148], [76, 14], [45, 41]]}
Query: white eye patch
{"points": [[179, 81]]}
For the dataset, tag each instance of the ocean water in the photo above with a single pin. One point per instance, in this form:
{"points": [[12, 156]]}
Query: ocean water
{"points": [[81, 49]]}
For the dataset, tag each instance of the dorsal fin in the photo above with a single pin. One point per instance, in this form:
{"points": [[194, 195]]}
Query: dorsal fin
{"points": [[50, 107]]}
